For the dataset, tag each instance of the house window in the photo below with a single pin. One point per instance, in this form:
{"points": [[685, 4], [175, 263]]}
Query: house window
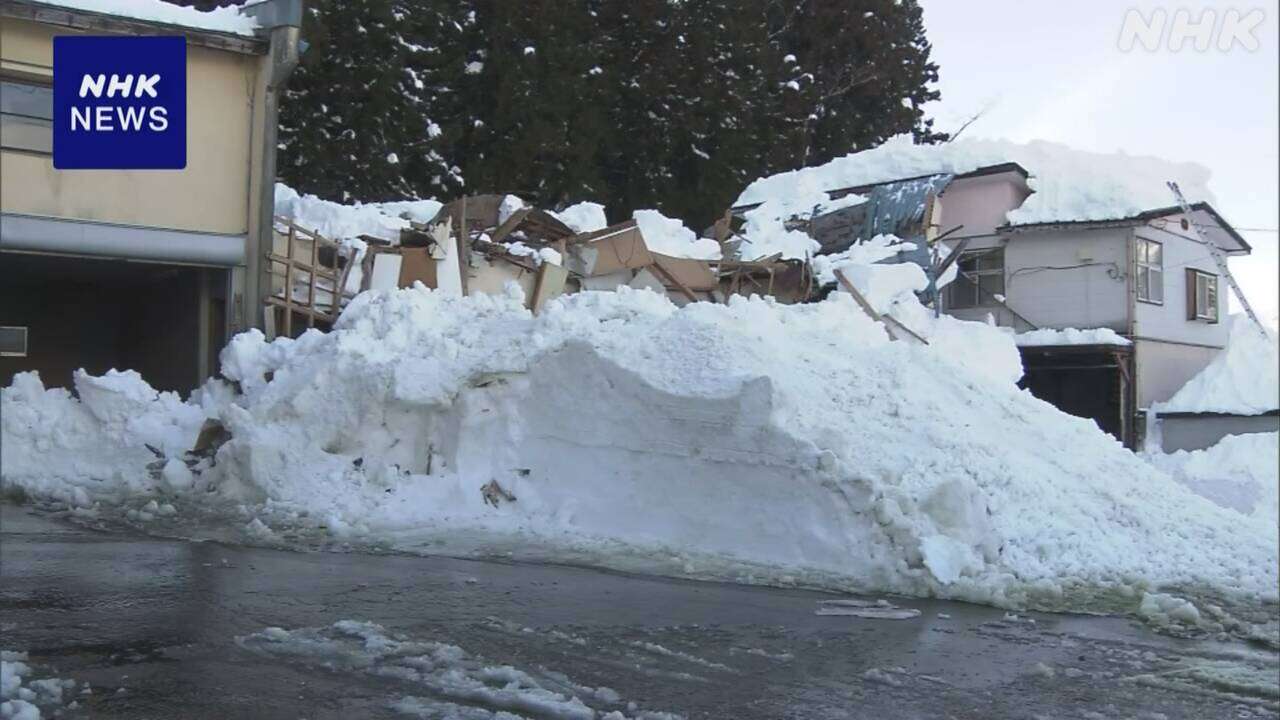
{"points": [[1202, 296], [26, 116], [13, 341], [1150, 271], [980, 279]]}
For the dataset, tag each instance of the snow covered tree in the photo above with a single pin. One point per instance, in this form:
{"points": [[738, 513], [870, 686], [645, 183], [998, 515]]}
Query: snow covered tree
{"points": [[858, 73], [358, 119], [535, 93], [634, 103]]}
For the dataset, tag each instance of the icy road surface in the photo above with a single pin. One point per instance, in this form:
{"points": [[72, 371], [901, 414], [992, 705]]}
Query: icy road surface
{"points": [[172, 628]]}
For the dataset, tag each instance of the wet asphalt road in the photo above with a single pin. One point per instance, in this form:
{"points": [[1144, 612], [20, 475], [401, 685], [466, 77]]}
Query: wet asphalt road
{"points": [[160, 619]]}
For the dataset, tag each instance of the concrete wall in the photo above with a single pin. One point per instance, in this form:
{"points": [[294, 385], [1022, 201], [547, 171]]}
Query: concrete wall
{"points": [[1168, 321], [1202, 431], [1163, 368], [210, 195]]}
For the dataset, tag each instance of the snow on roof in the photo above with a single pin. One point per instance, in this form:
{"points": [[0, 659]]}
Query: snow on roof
{"points": [[224, 19], [1244, 379], [1068, 184], [1069, 336], [670, 237], [583, 217], [337, 221]]}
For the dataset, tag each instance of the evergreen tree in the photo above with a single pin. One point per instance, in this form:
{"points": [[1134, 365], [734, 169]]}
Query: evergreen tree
{"points": [[634, 103], [359, 116], [861, 73]]}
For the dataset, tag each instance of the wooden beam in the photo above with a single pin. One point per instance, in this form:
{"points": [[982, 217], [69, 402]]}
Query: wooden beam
{"points": [[510, 225], [890, 322], [951, 259], [684, 289]]}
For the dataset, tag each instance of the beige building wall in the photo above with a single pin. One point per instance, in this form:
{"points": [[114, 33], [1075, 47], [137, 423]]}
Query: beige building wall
{"points": [[211, 195]]}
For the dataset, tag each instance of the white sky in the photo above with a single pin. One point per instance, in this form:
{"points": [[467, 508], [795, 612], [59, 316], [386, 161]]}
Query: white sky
{"points": [[1055, 71]]}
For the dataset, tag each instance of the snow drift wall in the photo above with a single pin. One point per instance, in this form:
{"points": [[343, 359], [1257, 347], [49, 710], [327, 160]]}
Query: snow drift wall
{"points": [[783, 442]]}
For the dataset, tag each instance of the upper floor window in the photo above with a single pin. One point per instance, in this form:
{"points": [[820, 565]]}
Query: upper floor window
{"points": [[980, 280], [1202, 296], [1149, 255], [26, 116]]}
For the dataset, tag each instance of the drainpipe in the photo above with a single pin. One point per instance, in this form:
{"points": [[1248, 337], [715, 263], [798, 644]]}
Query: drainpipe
{"points": [[281, 21]]}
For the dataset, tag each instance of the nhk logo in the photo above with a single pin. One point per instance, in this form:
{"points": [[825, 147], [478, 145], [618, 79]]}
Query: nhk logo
{"points": [[119, 103]]}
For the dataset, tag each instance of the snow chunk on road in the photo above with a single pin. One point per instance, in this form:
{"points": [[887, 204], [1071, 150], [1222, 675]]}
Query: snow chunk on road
{"points": [[1069, 184], [23, 695], [1243, 379], [457, 683]]}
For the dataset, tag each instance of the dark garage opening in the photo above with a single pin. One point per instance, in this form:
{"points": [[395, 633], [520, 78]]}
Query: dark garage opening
{"points": [[102, 314], [1088, 381]]}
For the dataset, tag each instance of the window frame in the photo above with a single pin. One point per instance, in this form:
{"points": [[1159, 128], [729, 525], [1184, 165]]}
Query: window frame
{"points": [[1209, 310], [1145, 266], [974, 278], [10, 120]]}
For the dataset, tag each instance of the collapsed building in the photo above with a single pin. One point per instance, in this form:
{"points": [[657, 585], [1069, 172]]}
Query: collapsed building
{"points": [[475, 244], [1107, 280]]}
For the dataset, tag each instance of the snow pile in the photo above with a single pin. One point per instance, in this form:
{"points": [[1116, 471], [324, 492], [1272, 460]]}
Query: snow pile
{"points": [[670, 237], [75, 450], [223, 19], [22, 696], [419, 211], [1069, 336], [538, 255], [1240, 473], [1244, 379], [615, 428], [875, 250], [386, 219], [765, 231], [583, 217], [337, 221], [1069, 184], [446, 681], [508, 207]]}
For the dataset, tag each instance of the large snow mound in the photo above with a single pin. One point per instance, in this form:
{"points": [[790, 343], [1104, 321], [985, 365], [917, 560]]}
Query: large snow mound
{"points": [[1244, 378], [1241, 472], [223, 19], [783, 442], [1069, 184]]}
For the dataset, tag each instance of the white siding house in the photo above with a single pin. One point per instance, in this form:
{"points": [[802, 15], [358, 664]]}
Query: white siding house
{"points": [[1149, 278]]}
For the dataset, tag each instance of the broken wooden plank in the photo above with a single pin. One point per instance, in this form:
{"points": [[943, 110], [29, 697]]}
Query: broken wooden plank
{"points": [[670, 278], [510, 225], [890, 322], [548, 283]]}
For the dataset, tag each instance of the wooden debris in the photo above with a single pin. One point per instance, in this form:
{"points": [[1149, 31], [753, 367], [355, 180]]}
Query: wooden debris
{"points": [[311, 272], [892, 324], [494, 493]]}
